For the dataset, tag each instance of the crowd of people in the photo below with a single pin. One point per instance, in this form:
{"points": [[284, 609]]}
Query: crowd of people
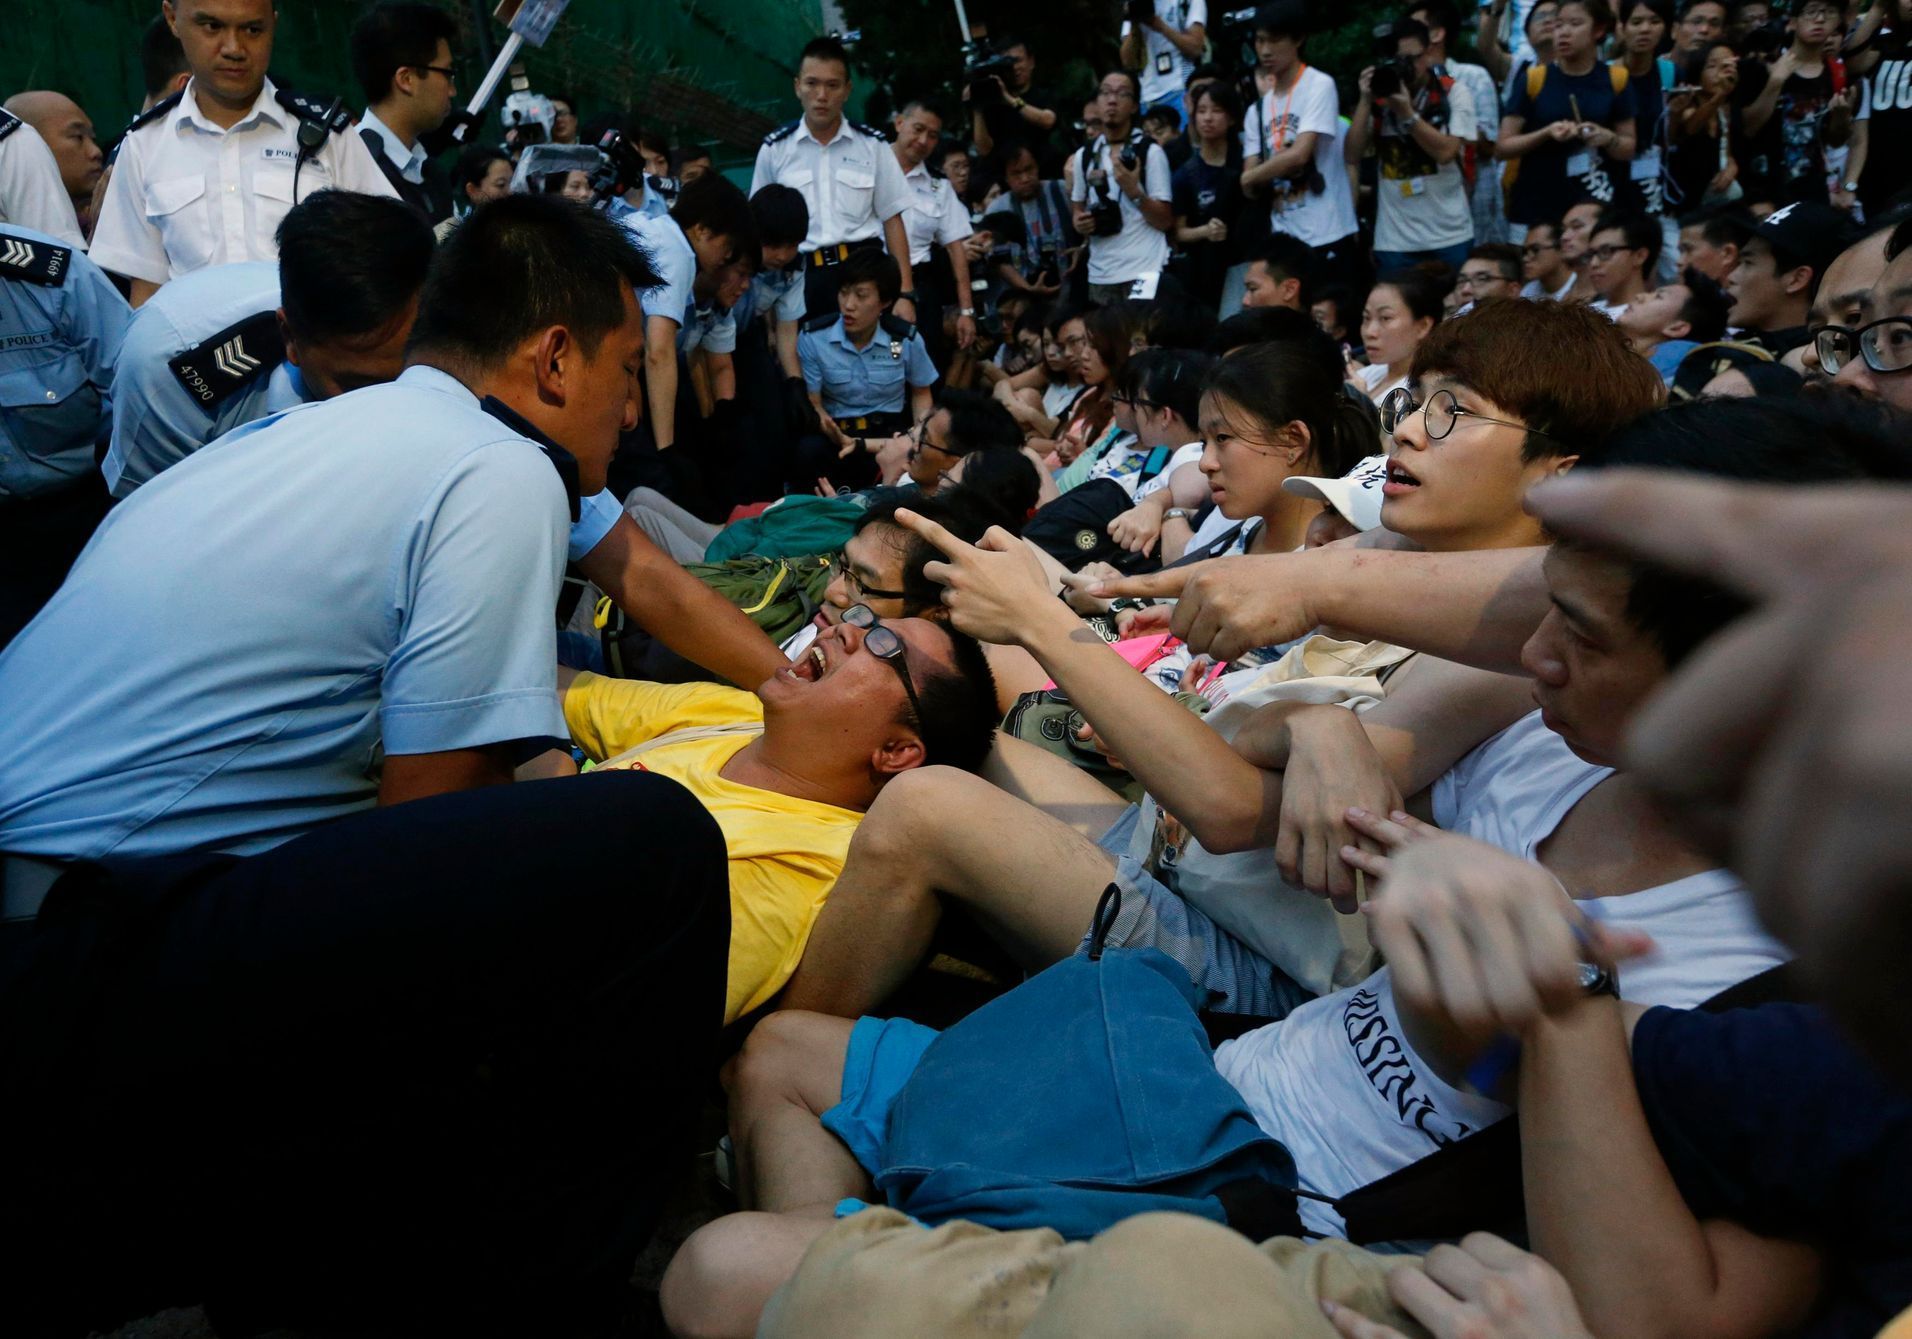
{"points": [[1268, 703]]}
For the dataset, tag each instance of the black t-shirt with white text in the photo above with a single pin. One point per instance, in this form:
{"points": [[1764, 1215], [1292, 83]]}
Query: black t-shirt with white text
{"points": [[1887, 107]]}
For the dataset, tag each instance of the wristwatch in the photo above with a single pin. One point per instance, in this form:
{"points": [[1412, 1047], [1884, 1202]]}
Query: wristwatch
{"points": [[1182, 514], [1852, 188], [965, 311], [907, 295], [1019, 104], [1598, 980], [1413, 119]]}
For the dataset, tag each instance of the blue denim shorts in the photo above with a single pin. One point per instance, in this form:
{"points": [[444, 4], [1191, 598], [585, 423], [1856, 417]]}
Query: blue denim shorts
{"points": [[1233, 977]]}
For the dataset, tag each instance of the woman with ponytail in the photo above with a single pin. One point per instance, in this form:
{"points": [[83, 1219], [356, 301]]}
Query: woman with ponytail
{"points": [[1271, 413]]}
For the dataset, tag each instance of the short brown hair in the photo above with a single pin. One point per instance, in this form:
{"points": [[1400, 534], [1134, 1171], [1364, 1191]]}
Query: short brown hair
{"points": [[1562, 368]]}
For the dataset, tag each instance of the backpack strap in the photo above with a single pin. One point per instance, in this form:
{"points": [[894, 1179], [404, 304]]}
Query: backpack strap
{"points": [[689, 734], [1536, 80]]}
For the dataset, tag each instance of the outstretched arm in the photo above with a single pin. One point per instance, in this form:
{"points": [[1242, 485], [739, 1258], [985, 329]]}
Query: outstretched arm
{"points": [[997, 592], [1475, 608], [678, 609]]}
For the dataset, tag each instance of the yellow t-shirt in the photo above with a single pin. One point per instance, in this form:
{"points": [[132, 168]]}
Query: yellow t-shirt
{"points": [[785, 853]]}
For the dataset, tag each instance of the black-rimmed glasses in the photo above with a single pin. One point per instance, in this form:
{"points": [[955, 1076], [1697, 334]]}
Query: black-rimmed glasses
{"points": [[1885, 345], [1439, 415], [841, 562], [886, 646], [445, 70]]}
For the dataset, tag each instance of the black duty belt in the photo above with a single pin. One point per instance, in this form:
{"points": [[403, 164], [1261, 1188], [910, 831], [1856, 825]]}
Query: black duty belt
{"points": [[835, 253], [875, 423]]}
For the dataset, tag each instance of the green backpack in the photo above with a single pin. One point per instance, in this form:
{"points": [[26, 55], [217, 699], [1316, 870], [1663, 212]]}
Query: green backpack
{"points": [[796, 525], [780, 595]]}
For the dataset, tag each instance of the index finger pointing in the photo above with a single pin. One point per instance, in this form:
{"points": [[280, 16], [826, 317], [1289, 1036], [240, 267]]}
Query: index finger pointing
{"points": [[1167, 582], [944, 542]]}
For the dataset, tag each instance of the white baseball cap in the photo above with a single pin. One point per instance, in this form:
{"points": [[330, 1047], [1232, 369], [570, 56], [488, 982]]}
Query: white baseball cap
{"points": [[1356, 494]]}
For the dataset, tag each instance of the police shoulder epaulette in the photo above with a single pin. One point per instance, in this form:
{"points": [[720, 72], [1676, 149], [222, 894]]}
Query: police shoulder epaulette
{"points": [[33, 261], [823, 322], [218, 369], [897, 327], [153, 113], [315, 110], [874, 132], [782, 133], [8, 123]]}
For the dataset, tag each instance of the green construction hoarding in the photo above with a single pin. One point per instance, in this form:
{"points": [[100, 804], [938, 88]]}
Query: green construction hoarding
{"points": [[712, 71]]}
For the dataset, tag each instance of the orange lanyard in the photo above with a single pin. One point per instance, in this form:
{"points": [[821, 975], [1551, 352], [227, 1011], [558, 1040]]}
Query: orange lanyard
{"points": [[1281, 137]]}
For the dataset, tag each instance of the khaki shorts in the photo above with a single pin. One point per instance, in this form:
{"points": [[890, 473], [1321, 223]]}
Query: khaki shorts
{"points": [[1159, 1275]]}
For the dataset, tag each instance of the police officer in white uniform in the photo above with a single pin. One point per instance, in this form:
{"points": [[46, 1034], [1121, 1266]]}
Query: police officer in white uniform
{"points": [[31, 192], [847, 176], [205, 177], [934, 217]]}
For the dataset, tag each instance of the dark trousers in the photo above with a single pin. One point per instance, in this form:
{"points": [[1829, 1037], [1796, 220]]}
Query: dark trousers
{"points": [[430, 1067], [766, 439], [39, 539], [820, 282]]}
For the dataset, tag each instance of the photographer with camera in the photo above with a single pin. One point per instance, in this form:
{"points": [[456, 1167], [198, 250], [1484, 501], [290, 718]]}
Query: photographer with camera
{"points": [[1163, 39], [1005, 106], [1048, 247], [1418, 128], [1121, 195], [1291, 144]]}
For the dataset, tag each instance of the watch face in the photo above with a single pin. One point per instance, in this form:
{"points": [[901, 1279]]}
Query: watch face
{"points": [[1590, 974]]}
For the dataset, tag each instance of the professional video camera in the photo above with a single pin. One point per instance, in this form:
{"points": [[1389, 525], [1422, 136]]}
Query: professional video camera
{"points": [[620, 169], [528, 118], [983, 65]]}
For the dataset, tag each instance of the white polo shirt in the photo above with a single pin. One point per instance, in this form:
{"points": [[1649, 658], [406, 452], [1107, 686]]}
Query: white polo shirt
{"points": [[933, 216], [187, 194], [852, 184]]}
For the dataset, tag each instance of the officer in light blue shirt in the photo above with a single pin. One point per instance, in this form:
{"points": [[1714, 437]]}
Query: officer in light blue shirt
{"points": [[352, 601], [61, 325], [230, 344], [225, 346], [707, 228], [867, 372]]}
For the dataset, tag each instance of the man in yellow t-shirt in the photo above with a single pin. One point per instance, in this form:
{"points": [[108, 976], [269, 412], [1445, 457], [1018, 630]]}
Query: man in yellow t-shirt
{"points": [[788, 771]]}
